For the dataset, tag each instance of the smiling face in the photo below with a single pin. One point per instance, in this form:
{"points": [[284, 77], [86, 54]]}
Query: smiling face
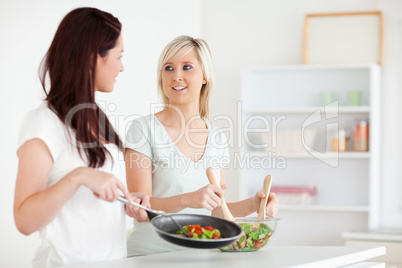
{"points": [[182, 79], [109, 67]]}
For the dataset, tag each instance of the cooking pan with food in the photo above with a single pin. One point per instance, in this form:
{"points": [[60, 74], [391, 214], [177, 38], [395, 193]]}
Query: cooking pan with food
{"points": [[166, 225]]}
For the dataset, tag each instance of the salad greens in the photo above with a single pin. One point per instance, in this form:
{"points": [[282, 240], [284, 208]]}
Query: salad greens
{"points": [[257, 236]]}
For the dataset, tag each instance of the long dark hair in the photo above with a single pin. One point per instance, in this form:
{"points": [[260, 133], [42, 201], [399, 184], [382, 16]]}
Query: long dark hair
{"points": [[70, 64]]}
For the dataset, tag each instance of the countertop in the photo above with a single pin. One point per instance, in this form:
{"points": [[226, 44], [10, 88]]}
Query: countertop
{"points": [[270, 256]]}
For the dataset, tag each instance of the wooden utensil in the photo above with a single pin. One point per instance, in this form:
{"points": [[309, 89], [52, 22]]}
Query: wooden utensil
{"points": [[266, 189], [213, 180]]}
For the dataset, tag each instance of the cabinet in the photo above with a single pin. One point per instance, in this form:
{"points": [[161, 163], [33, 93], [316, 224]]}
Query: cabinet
{"points": [[287, 132]]}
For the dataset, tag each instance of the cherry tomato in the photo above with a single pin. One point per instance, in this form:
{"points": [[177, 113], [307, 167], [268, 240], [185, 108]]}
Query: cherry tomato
{"points": [[209, 228], [215, 236], [190, 234]]}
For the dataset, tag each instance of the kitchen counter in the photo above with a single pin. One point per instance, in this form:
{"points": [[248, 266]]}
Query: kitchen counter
{"points": [[275, 257]]}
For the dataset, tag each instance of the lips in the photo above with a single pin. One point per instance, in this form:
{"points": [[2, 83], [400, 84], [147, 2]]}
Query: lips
{"points": [[179, 88]]}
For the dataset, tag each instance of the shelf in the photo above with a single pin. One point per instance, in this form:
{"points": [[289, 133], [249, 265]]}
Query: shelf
{"points": [[310, 67], [309, 110], [377, 235], [323, 208], [306, 155]]}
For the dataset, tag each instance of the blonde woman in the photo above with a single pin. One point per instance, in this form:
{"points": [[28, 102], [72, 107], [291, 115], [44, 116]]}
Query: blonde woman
{"points": [[167, 153]]}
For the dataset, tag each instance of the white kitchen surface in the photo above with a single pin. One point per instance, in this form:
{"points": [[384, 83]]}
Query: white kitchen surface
{"points": [[275, 257]]}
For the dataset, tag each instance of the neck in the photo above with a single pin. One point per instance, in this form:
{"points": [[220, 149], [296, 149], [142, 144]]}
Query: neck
{"points": [[187, 114]]}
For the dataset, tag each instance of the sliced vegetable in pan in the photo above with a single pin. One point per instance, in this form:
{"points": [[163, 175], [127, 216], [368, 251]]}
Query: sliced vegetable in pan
{"points": [[199, 232]]}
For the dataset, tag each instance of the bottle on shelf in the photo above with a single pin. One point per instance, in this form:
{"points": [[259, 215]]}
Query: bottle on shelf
{"points": [[361, 137], [340, 143]]}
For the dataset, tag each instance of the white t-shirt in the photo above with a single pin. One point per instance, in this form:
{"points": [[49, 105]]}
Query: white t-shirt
{"points": [[86, 229], [173, 174]]}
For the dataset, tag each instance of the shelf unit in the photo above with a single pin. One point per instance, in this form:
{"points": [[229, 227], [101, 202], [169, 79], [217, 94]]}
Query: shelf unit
{"points": [[276, 99]]}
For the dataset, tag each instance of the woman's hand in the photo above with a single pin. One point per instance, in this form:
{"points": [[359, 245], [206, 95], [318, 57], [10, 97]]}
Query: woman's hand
{"points": [[272, 205], [104, 185], [208, 197], [135, 212]]}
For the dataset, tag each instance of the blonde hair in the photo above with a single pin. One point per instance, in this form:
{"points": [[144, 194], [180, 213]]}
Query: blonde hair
{"points": [[179, 47]]}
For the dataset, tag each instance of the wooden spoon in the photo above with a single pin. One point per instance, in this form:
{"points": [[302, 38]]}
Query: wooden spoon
{"points": [[213, 180], [266, 189]]}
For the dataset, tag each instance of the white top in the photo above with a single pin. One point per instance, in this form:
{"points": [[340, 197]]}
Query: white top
{"points": [[86, 229], [173, 174]]}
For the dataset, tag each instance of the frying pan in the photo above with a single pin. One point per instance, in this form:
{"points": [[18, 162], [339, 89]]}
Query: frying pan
{"points": [[166, 227]]}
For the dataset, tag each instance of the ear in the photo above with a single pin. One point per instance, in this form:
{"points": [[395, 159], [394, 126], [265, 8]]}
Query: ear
{"points": [[93, 59], [204, 81]]}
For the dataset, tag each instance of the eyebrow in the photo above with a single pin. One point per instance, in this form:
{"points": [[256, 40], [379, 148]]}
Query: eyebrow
{"points": [[187, 62]]}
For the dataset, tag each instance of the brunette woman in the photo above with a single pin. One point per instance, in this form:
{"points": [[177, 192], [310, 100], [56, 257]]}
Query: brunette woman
{"points": [[68, 149]]}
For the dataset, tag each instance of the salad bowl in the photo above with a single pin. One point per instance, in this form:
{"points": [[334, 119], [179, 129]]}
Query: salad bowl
{"points": [[258, 232]]}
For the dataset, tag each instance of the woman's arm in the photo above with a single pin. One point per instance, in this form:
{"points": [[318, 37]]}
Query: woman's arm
{"points": [[139, 179], [250, 205], [34, 204]]}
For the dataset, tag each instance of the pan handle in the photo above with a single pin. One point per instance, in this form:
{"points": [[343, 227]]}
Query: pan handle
{"points": [[151, 213]]}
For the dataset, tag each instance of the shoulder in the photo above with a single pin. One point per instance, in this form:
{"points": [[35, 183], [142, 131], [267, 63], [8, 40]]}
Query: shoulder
{"points": [[41, 113], [217, 142], [41, 119], [218, 147], [139, 132], [42, 123], [217, 134], [141, 124]]}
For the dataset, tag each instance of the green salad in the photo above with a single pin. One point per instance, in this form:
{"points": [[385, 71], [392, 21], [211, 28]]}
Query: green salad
{"points": [[256, 236]]}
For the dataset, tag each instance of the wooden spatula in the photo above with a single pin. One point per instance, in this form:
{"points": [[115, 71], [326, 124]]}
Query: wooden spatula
{"points": [[213, 180], [266, 189]]}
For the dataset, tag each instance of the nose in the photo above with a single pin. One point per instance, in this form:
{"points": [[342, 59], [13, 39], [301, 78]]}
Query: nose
{"points": [[121, 67], [178, 76]]}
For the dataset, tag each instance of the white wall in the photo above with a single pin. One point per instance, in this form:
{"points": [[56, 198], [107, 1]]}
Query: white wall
{"points": [[26, 30], [241, 33], [260, 32], [391, 205]]}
